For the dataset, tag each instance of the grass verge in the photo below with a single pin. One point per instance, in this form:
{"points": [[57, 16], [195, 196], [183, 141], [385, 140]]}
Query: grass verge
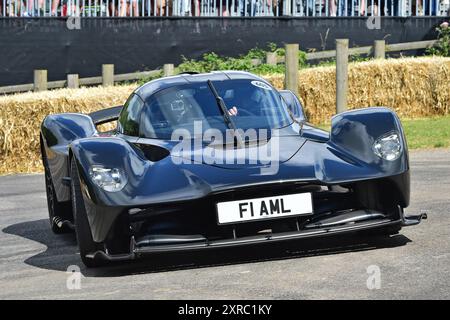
{"points": [[427, 132]]}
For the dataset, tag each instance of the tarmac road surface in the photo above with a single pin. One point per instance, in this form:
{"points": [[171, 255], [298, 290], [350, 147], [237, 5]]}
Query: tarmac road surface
{"points": [[412, 265]]}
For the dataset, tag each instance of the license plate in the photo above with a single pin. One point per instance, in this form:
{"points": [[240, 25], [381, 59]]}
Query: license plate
{"points": [[264, 208]]}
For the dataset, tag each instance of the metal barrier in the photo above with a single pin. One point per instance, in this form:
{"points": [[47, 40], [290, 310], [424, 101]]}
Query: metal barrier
{"points": [[223, 8]]}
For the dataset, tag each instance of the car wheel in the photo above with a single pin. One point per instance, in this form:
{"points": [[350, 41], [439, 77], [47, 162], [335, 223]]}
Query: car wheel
{"points": [[57, 211], [82, 230]]}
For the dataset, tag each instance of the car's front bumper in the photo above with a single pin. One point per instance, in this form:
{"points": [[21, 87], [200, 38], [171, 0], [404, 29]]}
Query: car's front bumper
{"points": [[137, 251]]}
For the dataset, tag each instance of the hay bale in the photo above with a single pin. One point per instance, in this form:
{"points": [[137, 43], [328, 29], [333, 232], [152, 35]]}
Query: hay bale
{"points": [[413, 87], [21, 116]]}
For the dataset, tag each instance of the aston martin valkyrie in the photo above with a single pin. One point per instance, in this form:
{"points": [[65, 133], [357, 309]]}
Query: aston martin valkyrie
{"points": [[198, 161]]}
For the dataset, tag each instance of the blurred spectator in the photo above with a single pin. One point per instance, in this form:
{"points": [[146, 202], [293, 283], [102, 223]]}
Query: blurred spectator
{"points": [[424, 7], [214, 7], [332, 7], [125, 8], [113, 8], [348, 8], [129, 8], [196, 8], [369, 7], [391, 8], [317, 7], [262, 8], [184, 8], [158, 7], [68, 7], [268, 7], [222, 8], [10, 8], [33, 8], [247, 7], [15, 7]]}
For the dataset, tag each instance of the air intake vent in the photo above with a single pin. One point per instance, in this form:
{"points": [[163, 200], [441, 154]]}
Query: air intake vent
{"points": [[152, 152]]}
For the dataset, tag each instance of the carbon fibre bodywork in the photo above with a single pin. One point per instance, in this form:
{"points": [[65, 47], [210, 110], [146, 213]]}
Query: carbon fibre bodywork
{"points": [[167, 197]]}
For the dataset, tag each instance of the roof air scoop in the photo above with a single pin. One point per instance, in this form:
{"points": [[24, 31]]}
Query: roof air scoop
{"points": [[152, 152]]}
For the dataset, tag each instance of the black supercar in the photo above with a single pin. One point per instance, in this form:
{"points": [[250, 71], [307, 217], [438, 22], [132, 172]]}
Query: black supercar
{"points": [[221, 159]]}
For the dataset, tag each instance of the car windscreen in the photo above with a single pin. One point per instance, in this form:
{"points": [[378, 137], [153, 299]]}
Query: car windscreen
{"points": [[252, 104]]}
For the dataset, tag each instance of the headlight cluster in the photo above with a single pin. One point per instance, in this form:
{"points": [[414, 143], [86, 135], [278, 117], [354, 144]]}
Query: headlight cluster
{"points": [[109, 179], [388, 147]]}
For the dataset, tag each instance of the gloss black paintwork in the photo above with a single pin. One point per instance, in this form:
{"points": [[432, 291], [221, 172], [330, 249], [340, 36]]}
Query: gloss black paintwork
{"points": [[57, 132], [307, 154]]}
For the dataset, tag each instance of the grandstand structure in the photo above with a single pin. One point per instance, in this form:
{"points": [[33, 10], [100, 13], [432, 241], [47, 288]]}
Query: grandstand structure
{"points": [[223, 8], [78, 36]]}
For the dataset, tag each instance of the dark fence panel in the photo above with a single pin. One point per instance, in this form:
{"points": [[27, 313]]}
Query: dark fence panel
{"points": [[77, 45]]}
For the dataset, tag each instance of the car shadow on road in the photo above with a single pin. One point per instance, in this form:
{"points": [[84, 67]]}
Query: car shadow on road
{"points": [[62, 252]]}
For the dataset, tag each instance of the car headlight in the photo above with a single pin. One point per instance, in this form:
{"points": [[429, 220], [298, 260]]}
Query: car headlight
{"points": [[388, 147], [109, 179]]}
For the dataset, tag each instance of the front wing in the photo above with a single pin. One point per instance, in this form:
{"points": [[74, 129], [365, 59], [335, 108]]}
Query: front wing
{"points": [[193, 243]]}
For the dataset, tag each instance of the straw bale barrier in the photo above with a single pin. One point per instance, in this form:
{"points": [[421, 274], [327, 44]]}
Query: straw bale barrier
{"points": [[21, 116], [413, 87]]}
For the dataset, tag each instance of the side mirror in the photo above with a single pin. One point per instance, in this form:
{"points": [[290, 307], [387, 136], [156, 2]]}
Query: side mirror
{"points": [[294, 105]]}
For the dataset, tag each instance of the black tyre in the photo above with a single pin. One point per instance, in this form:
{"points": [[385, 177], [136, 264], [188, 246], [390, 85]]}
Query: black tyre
{"points": [[57, 211], [82, 230]]}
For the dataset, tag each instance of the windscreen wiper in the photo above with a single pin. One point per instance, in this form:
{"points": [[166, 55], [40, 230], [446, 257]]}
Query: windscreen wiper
{"points": [[226, 117]]}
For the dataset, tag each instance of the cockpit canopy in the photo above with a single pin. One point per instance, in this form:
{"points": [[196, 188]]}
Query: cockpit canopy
{"points": [[194, 106]]}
